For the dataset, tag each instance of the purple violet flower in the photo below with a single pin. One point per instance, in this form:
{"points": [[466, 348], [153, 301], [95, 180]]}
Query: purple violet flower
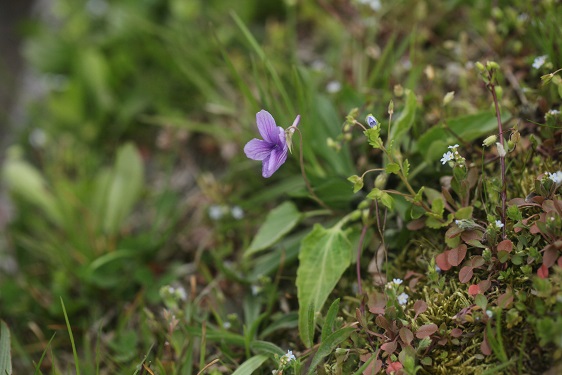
{"points": [[272, 150]]}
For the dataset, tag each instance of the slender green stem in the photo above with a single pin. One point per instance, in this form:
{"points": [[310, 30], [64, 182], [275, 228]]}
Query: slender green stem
{"points": [[306, 181]]}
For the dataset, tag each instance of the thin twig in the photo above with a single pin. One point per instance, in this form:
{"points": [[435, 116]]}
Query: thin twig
{"points": [[358, 262]]}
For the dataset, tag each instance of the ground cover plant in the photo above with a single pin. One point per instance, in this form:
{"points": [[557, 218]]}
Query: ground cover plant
{"points": [[345, 187]]}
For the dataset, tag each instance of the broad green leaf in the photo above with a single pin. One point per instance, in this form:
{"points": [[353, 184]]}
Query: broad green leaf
{"points": [[329, 345], [433, 143], [331, 316], [357, 183], [392, 168], [25, 181], [5, 356], [251, 365], [405, 120], [278, 222], [464, 213], [325, 255], [124, 187]]}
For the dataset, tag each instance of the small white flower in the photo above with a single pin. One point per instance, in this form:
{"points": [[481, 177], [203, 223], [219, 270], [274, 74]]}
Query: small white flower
{"points": [[448, 156], [454, 147], [403, 299], [501, 150], [397, 281], [498, 224], [237, 212], [553, 112], [437, 269], [458, 222], [290, 356], [333, 86], [556, 177], [181, 293], [226, 325], [489, 313], [255, 290], [215, 212], [539, 61]]}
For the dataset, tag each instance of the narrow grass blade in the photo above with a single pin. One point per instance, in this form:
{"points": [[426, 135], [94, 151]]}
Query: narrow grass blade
{"points": [[38, 366], [74, 352]]}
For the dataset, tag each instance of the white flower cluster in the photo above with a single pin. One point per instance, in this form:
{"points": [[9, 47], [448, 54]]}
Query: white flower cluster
{"points": [[452, 155]]}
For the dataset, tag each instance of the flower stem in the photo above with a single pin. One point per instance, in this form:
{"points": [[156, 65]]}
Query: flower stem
{"points": [[503, 193], [306, 181]]}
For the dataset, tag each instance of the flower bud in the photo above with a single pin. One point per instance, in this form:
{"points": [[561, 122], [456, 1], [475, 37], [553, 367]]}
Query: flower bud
{"points": [[490, 141], [448, 97], [480, 67], [372, 121], [380, 181]]}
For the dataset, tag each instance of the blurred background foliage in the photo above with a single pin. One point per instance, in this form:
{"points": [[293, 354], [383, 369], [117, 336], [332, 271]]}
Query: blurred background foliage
{"points": [[138, 116]]}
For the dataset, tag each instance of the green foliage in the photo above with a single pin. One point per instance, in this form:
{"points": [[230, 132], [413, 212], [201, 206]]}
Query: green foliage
{"points": [[324, 256], [277, 224], [146, 103], [5, 350]]}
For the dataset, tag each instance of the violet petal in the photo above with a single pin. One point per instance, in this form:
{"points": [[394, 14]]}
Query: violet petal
{"points": [[257, 149], [267, 127]]}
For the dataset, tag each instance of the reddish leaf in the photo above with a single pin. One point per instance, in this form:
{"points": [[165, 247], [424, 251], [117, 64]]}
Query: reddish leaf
{"points": [[419, 307], [441, 261], [443, 341], [549, 256], [505, 245], [484, 285], [505, 300], [465, 274], [394, 367], [534, 229], [471, 235], [474, 290], [453, 232], [406, 335], [456, 332], [416, 224], [477, 261], [560, 262], [383, 323], [389, 347], [485, 347], [426, 330], [456, 256], [542, 272]]}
